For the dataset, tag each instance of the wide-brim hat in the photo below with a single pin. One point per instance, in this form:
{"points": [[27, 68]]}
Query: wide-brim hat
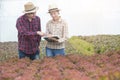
{"points": [[53, 7], [30, 7]]}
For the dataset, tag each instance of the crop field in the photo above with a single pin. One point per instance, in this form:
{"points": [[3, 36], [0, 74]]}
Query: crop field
{"points": [[82, 62]]}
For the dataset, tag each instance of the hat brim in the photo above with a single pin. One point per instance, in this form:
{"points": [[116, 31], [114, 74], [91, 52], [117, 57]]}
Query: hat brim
{"points": [[31, 10], [53, 10]]}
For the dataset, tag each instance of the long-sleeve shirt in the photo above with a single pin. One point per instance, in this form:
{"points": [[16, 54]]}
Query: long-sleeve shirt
{"points": [[60, 29], [28, 40]]}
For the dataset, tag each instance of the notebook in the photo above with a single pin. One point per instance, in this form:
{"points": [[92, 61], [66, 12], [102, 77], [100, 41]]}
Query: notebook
{"points": [[53, 38]]}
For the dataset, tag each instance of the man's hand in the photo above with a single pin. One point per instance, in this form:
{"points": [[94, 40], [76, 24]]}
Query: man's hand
{"points": [[40, 33]]}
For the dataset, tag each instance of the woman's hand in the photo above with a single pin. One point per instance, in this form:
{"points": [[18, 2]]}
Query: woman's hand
{"points": [[49, 35]]}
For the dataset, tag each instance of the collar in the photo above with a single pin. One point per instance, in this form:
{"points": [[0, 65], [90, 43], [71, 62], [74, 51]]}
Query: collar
{"points": [[57, 21], [25, 17]]}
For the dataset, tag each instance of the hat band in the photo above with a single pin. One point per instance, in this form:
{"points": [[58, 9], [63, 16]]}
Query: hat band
{"points": [[54, 9], [30, 9]]}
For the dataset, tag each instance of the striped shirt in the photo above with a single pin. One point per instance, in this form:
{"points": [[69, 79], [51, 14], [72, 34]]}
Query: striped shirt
{"points": [[60, 29], [28, 40]]}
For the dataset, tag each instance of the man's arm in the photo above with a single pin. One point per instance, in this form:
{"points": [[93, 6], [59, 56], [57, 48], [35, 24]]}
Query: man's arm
{"points": [[22, 30]]}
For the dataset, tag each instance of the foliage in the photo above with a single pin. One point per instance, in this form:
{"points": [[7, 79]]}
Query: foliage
{"points": [[81, 46], [103, 43], [8, 50], [69, 67]]}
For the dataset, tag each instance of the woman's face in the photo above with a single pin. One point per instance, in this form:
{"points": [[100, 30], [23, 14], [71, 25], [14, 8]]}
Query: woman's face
{"points": [[54, 15]]}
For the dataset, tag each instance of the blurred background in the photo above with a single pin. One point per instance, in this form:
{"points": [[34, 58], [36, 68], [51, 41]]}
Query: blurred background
{"points": [[84, 17]]}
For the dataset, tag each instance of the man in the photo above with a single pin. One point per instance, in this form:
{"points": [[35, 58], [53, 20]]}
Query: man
{"points": [[56, 26], [29, 32]]}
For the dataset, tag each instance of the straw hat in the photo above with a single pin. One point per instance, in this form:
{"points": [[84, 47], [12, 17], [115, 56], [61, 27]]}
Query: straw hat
{"points": [[30, 7], [53, 7]]}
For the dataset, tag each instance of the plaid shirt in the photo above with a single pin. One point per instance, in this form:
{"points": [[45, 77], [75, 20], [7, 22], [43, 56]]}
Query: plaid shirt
{"points": [[60, 29], [28, 40]]}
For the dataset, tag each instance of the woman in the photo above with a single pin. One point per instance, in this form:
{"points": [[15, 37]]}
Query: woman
{"points": [[56, 26]]}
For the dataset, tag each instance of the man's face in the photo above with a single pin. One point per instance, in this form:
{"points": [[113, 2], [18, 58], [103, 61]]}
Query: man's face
{"points": [[31, 15], [54, 14]]}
